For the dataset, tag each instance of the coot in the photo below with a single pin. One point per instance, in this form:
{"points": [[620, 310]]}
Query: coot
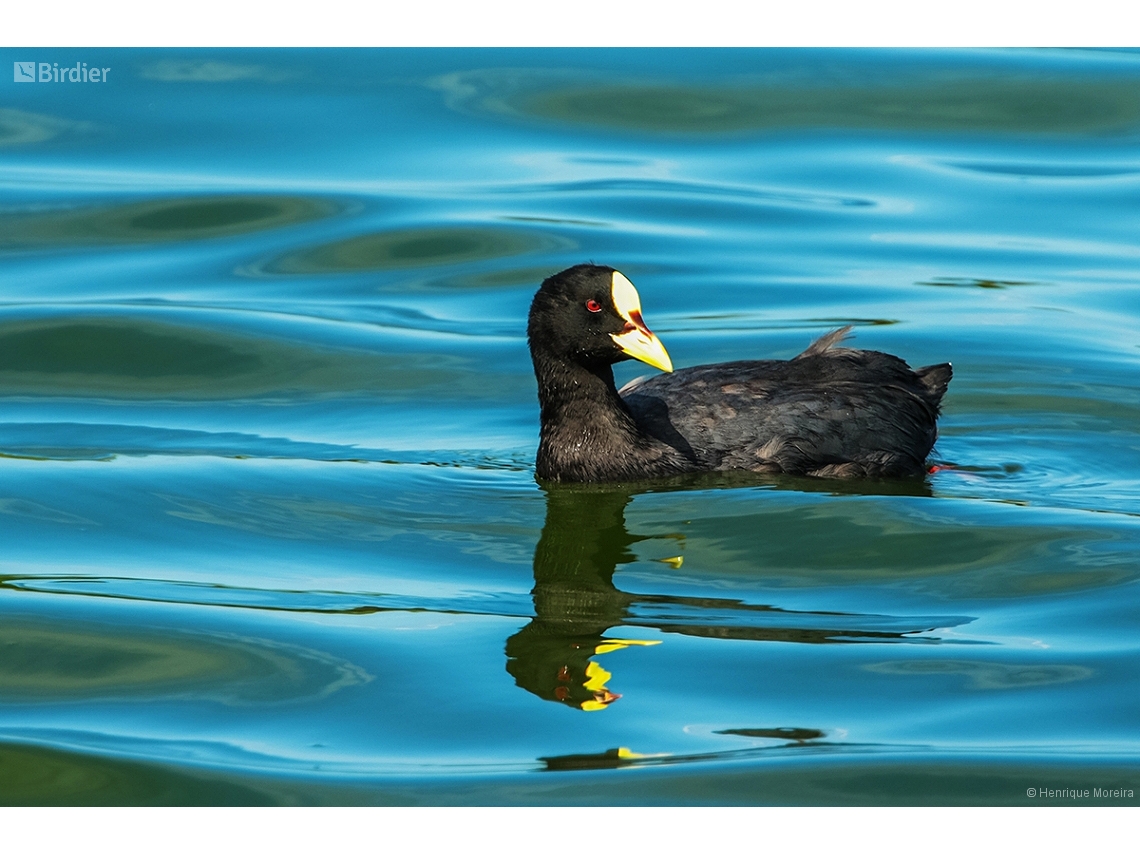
{"points": [[830, 412]]}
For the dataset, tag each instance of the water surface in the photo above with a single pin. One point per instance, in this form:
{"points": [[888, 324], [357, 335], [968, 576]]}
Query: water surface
{"points": [[267, 422]]}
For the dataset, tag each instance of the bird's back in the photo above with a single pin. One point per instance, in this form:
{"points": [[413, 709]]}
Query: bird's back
{"points": [[831, 411]]}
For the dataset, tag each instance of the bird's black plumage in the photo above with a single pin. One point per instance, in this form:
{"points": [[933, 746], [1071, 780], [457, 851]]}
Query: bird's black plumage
{"points": [[831, 411]]}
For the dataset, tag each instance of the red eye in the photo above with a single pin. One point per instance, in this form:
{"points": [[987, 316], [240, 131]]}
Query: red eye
{"points": [[593, 305]]}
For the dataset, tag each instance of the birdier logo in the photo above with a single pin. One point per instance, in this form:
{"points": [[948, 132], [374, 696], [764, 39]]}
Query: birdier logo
{"points": [[51, 72]]}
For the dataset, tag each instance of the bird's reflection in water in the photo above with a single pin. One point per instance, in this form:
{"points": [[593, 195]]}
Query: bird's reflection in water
{"points": [[576, 603]]}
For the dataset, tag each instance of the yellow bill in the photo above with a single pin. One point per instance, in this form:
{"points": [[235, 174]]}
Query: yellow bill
{"points": [[636, 340]]}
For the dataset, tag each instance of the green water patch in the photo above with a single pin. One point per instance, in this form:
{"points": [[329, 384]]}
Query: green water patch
{"points": [[886, 778], [406, 248], [559, 221], [293, 517], [399, 501], [967, 282], [265, 599], [985, 675], [35, 776], [116, 348], [1030, 169], [138, 357], [951, 101], [1021, 403], [31, 775], [156, 220], [43, 662], [981, 550], [502, 278], [18, 127]]}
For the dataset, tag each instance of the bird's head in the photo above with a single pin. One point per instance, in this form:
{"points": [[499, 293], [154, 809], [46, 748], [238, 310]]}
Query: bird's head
{"points": [[592, 315]]}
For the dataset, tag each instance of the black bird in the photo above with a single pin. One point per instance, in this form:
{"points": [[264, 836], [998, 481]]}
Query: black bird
{"points": [[830, 412]]}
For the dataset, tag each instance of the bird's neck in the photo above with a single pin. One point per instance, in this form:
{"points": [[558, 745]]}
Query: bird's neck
{"points": [[563, 384], [585, 423]]}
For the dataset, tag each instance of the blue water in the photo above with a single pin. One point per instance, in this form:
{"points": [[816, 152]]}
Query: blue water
{"points": [[270, 531]]}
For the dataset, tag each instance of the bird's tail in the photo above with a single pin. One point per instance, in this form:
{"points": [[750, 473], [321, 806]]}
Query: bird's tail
{"points": [[936, 378]]}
